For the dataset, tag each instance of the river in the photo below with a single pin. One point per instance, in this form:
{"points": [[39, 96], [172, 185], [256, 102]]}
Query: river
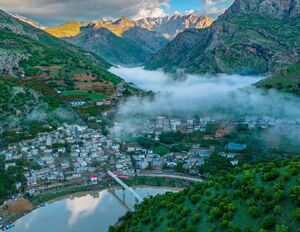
{"points": [[92, 212]]}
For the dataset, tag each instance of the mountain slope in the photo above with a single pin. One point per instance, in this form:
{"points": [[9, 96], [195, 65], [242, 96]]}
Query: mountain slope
{"points": [[68, 29], [109, 46], [119, 42], [262, 197], [28, 51], [286, 79], [30, 107], [129, 42], [249, 38]]}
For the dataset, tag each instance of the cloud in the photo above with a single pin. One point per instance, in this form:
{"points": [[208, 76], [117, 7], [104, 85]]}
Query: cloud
{"points": [[214, 8], [82, 207], [59, 11], [193, 94]]}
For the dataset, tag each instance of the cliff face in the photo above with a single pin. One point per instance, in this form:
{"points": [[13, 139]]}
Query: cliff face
{"points": [[279, 9], [171, 26], [251, 37]]}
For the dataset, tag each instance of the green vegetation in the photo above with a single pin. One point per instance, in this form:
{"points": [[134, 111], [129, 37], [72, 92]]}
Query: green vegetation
{"points": [[80, 94], [287, 79], [28, 107], [11, 175], [245, 44], [110, 46], [42, 55], [156, 146], [262, 197]]}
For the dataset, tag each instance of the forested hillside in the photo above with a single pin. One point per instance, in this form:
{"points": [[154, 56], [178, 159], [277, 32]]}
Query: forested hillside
{"points": [[262, 197]]}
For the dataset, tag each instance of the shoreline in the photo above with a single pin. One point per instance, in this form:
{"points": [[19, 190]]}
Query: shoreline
{"points": [[38, 201]]}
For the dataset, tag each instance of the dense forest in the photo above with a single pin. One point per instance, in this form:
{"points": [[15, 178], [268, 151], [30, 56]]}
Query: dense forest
{"points": [[261, 197]]}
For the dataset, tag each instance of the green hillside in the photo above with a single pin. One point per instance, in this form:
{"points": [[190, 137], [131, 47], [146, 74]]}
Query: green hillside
{"points": [[110, 46], [30, 52], [262, 197], [35, 68], [287, 79], [30, 107]]}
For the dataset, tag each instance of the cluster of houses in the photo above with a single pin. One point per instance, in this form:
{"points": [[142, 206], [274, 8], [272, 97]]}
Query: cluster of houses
{"points": [[253, 122], [163, 124], [70, 153], [78, 154], [156, 126]]}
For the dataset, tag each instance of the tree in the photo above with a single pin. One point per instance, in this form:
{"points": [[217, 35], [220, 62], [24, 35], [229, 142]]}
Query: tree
{"points": [[297, 214], [281, 228], [295, 194], [253, 211], [269, 222], [196, 218]]}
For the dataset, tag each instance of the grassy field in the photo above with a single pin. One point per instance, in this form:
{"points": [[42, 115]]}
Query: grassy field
{"points": [[80, 93]]}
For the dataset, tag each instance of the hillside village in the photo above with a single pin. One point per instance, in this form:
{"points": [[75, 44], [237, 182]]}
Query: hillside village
{"points": [[76, 154]]}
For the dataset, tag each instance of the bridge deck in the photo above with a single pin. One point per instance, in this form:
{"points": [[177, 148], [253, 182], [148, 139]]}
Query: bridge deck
{"points": [[125, 186]]}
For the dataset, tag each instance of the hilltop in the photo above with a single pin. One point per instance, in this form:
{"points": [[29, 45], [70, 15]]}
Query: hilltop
{"points": [[249, 38], [170, 26], [261, 197], [68, 29]]}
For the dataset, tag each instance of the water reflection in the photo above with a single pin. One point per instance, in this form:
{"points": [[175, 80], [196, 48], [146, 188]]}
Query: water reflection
{"points": [[93, 212], [82, 206]]}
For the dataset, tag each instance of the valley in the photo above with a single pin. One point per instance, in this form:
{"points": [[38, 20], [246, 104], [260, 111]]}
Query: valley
{"points": [[209, 106]]}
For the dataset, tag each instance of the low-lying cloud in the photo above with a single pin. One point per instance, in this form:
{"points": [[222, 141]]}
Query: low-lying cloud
{"points": [[220, 95]]}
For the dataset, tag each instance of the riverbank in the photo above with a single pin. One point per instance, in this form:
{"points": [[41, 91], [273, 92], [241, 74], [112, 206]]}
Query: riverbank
{"points": [[40, 200]]}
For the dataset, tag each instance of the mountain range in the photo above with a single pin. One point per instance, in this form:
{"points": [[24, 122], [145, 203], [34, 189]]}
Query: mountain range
{"points": [[126, 41], [251, 37]]}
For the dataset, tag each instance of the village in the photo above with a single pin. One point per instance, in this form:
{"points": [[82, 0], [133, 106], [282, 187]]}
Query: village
{"points": [[75, 154]]}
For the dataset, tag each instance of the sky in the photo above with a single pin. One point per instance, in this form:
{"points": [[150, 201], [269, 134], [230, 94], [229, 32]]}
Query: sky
{"points": [[54, 12]]}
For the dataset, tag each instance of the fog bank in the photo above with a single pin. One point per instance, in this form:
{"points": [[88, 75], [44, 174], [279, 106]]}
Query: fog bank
{"points": [[195, 94]]}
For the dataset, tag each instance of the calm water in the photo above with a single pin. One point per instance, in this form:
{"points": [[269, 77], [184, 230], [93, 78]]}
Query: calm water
{"points": [[93, 212]]}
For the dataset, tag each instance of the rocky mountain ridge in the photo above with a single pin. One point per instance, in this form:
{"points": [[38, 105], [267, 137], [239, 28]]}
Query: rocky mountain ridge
{"points": [[125, 41], [279, 9], [169, 26], [251, 37]]}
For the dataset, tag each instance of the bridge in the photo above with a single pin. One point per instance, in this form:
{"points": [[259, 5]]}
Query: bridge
{"points": [[125, 186], [186, 178], [122, 200]]}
